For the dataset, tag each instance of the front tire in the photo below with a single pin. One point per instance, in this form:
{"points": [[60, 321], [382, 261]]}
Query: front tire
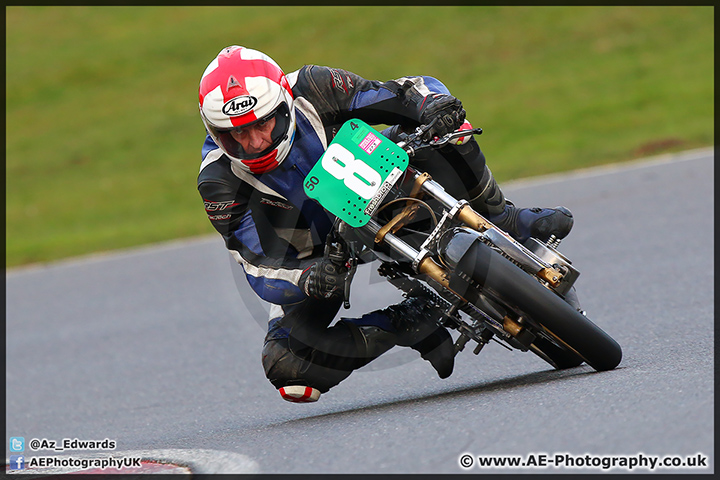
{"points": [[502, 280], [559, 357]]}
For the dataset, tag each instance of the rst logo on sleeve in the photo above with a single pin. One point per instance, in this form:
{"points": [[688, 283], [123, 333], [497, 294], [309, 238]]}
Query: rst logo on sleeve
{"points": [[216, 206], [239, 105]]}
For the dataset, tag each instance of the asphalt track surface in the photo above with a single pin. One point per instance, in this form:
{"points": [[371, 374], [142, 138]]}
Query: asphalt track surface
{"points": [[159, 349]]}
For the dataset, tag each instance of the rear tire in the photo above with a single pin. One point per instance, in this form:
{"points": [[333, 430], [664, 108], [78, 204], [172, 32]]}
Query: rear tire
{"points": [[502, 280]]}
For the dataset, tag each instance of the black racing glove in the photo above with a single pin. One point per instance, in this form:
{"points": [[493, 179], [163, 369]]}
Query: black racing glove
{"points": [[445, 110], [324, 279]]}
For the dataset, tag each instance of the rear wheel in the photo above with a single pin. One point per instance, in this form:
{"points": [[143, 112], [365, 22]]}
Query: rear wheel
{"points": [[575, 337]]}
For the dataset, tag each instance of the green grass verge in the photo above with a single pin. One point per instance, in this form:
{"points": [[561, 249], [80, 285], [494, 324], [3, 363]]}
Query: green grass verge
{"points": [[103, 135]]}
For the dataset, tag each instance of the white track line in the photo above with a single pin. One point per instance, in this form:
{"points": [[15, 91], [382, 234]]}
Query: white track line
{"points": [[611, 168]]}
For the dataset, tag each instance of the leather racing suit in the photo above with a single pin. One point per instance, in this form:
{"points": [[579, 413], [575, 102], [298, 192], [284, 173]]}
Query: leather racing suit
{"points": [[275, 231]]}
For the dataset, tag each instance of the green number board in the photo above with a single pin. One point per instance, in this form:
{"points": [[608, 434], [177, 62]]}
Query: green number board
{"points": [[356, 172]]}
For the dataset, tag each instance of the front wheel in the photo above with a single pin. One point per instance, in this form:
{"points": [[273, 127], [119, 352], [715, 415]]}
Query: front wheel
{"points": [[579, 337], [559, 357]]}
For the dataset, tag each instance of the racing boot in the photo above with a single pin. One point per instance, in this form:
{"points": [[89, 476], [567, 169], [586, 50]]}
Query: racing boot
{"points": [[415, 322], [520, 223], [536, 222]]}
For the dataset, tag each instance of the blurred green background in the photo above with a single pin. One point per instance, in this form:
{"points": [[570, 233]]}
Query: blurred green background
{"points": [[103, 134]]}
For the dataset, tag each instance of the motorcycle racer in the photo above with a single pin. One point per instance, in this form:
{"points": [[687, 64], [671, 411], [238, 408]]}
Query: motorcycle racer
{"points": [[265, 131]]}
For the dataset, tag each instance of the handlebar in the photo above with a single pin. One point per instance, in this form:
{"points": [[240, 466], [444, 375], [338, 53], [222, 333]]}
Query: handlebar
{"points": [[414, 142], [453, 135]]}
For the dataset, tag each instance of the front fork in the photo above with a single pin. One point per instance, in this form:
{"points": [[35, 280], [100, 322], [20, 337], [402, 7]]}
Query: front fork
{"points": [[460, 212]]}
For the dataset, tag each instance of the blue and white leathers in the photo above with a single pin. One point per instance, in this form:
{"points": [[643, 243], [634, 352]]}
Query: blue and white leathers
{"points": [[270, 226]]}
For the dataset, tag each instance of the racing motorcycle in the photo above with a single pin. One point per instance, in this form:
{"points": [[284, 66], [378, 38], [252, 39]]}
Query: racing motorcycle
{"points": [[489, 286]]}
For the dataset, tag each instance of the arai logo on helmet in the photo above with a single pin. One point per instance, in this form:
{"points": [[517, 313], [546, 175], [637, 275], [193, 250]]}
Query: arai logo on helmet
{"points": [[239, 105]]}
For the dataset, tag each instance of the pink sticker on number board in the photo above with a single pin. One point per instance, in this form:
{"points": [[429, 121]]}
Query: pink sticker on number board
{"points": [[370, 143]]}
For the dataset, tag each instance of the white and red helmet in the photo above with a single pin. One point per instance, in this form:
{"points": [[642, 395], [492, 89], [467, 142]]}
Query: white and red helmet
{"points": [[240, 87]]}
